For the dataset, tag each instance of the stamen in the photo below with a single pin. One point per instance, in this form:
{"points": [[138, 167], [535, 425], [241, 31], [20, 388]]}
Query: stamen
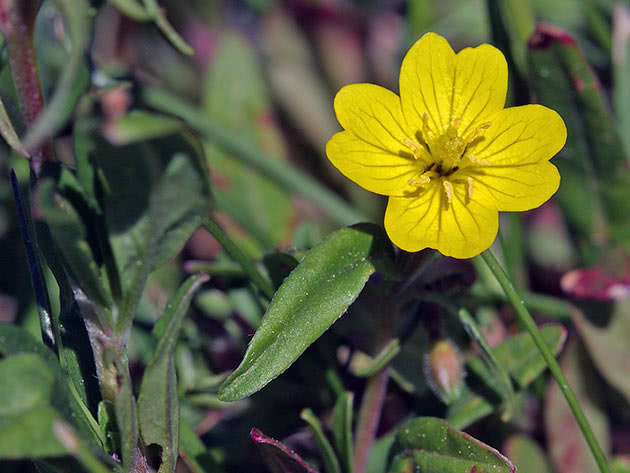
{"points": [[448, 190], [419, 181], [456, 122], [479, 129], [470, 186], [415, 148]]}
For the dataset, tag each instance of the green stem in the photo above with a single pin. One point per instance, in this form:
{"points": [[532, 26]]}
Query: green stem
{"points": [[523, 314], [548, 305], [241, 258], [280, 171]]}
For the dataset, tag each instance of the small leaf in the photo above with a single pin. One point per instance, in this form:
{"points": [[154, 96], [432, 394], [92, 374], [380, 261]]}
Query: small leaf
{"points": [[309, 301], [158, 406], [331, 462], [30, 384], [127, 422], [29, 434], [436, 447], [342, 429], [526, 454], [194, 452], [278, 458], [370, 366]]}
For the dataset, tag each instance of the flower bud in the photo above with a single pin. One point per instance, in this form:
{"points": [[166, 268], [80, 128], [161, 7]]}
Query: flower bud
{"points": [[444, 370]]}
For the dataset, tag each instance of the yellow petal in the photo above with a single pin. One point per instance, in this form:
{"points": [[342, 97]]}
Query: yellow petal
{"points": [[480, 86], [463, 88], [518, 146], [462, 229], [371, 150], [426, 82]]}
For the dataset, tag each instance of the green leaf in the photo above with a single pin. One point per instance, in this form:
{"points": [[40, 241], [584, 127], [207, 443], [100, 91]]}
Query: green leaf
{"points": [[235, 96], [526, 454], [29, 434], [309, 301], [331, 462], [342, 429], [75, 77], [159, 17], [30, 383], [369, 366], [568, 451], [15, 341], [158, 194], [158, 406], [520, 357], [70, 235], [430, 445], [194, 452]]}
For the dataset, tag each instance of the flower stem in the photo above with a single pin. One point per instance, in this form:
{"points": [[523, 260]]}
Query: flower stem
{"points": [[369, 418], [526, 319]]}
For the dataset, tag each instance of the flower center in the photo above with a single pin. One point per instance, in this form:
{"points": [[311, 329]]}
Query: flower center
{"points": [[442, 156]]}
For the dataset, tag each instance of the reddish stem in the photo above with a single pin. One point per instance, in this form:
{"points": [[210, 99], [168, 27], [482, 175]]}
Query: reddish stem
{"points": [[17, 24]]}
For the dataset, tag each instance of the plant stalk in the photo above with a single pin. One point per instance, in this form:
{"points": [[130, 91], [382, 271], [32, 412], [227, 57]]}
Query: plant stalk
{"points": [[17, 25], [528, 322]]}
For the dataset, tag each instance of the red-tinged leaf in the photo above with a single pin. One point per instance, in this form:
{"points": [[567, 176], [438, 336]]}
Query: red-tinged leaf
{"points": [[568, 450], [278, 457], [595, 283]]}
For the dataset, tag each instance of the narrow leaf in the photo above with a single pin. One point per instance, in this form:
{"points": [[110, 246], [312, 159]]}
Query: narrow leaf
{"points": [[309, 301], [331, 462], [278, 458], [158, 407], [8, 132], [342, 429]]}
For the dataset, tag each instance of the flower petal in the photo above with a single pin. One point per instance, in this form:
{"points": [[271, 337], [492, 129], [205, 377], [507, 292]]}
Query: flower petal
{"points": [[462, 228], [371, 151], [426, 82], [480, 86], [518, 146]]}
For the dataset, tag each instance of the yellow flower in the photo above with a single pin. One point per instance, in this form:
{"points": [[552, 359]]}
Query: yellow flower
{"points": [[446, 152]]}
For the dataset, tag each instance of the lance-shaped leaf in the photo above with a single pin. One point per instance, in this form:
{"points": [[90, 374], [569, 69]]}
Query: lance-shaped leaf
{"points": [[342, 429], [430, 445], [307, 303], [158, 194], [158, 406], [278, 457]]}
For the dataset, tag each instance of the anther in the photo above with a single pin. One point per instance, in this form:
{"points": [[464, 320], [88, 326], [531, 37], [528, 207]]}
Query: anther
{"points": [[415, 148], [426, 131], [470, 186], [419, 181], [478, 162], [448, 190], [479, 129]]}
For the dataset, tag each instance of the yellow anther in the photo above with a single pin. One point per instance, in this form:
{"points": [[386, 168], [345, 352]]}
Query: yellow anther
{"points": [[456, 122], [478, 130], [415, 148], [448, 190], [470, 186], [419, 181]]}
